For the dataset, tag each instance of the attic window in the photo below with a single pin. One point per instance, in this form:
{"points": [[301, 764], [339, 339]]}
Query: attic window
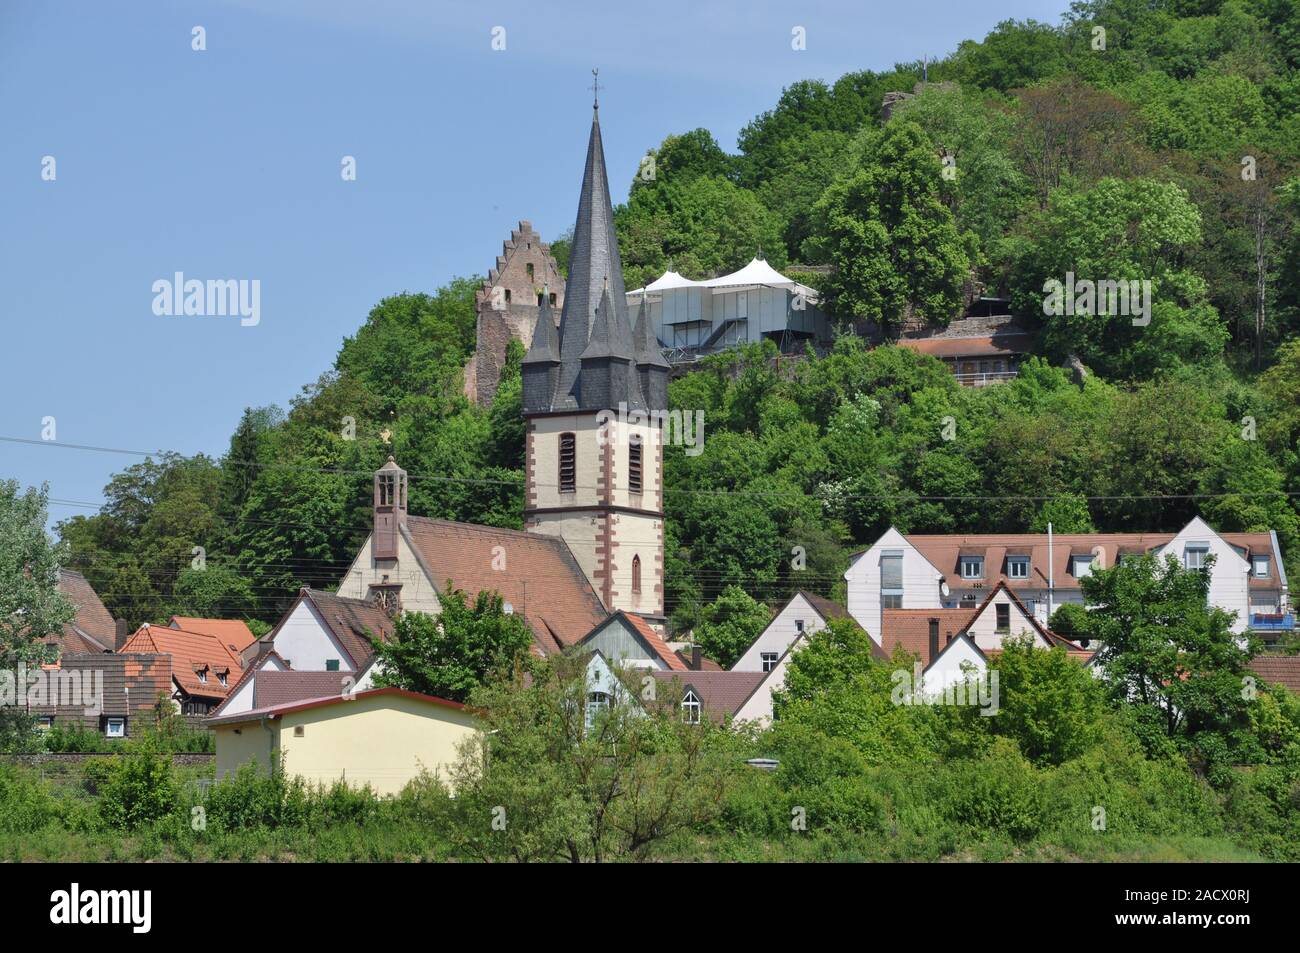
{"points": [[972, 567], [332, 665], [1081, 566], [691, 708], [507, 290], [1259, 566], [769, 660], [597, 702], [1004, 616], [1018, 567], [529, 268], [552, 299], [203, 675], [1194, 556], [221, 677], [568, 463]]}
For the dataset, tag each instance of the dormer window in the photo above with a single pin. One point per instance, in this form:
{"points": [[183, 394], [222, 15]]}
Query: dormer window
{"points": [[221, 677], [1259, 567], [203, 674], [691, 708], [1018, 567], [1081, 566], [972, 567]]}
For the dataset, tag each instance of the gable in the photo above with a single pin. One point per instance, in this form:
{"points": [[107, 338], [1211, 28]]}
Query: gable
{"points": [[304, 640]]}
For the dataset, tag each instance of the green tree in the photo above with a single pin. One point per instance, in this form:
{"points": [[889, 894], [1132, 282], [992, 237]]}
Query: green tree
{"points": [[1065, 514], [890, 236], [32, 608], [730, 624], [451, 654]]}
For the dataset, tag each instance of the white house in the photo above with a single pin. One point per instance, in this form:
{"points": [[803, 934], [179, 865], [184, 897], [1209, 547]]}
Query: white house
{"points": [[958, 571], [803, 613]]}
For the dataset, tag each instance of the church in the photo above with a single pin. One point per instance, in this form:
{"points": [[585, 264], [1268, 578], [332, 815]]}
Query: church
{"points": [[593, 543]]}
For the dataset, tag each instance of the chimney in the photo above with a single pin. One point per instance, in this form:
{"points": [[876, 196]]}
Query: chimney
{"points": [[697, 658], [120, 634], [934, 639]]}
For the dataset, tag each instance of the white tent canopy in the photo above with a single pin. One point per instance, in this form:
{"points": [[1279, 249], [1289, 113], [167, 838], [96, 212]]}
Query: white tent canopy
{"points": [[757, 274]]}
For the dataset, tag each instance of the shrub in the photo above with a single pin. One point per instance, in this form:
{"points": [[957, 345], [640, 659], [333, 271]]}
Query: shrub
{"points": [[1001, 792], [25, 805], [139, 790]]}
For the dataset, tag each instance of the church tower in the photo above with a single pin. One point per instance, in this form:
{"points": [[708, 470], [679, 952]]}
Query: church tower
{"points": [[595, 447]]}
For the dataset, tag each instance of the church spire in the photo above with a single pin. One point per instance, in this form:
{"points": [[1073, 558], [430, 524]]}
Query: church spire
{"points": [[594, 269]]}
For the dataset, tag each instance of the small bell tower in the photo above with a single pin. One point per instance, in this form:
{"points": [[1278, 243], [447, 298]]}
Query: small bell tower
{"points": [[389, 509]]}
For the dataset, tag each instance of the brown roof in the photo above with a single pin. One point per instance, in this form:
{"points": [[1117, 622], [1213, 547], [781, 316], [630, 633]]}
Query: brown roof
{"points": [[308, 703], [721, 693], [272, 688], [543, 582], [910, 628], [233, 633], [706, 664], [995, 345], [352, 621], [192, 653], [656, 643], [825, 607], [1281, 670], [92, 630], [944, 552]]}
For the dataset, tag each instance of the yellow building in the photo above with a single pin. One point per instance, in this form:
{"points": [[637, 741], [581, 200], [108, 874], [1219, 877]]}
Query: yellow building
{"points": [[383, 737]]}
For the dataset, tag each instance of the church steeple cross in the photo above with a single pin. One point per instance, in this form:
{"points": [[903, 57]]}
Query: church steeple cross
{"points": [[595, 89]]}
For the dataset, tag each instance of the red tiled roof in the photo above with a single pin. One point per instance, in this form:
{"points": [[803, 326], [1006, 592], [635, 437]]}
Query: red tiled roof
{"points": [[656, 642], [353, 622], [995, 345], [910, 628], [721, 693], [706, 664], [233, 633], [92, 630], [1281, 670], [308, 703], [542, 581], [190, 652]]}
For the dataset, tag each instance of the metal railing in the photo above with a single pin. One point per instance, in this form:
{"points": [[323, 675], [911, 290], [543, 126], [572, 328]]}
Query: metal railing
{"points": [[1272, 621], [983, 379]]}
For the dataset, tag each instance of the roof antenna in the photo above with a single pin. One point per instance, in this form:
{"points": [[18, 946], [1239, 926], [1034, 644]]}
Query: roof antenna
{"points": [[595, 88]]}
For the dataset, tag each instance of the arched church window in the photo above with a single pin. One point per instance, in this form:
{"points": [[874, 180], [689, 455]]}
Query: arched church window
{"points": [[636, 573]]}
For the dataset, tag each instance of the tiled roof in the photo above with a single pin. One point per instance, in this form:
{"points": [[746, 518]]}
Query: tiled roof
{"points": [[353, 622], [825, 607], [944, 552], [92, 630], [706, 664], [656, 642], [190, 652], [996, 345], [332, 699], [233, 633], [910, 628], [542, 581], [721, 693], [272, 688], [1282, 670]]}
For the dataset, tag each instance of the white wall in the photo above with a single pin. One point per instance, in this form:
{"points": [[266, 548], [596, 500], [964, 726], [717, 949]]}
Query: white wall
{"points": [[306, 643], [242, 699], [1228, 579], [952, 666], [780, 633], [920, 582], [984, 628], [418, 592]]}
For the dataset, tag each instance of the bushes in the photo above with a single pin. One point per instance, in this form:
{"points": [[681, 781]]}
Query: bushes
{"points": [[139, 790], [1000, 793], [26, 806]]}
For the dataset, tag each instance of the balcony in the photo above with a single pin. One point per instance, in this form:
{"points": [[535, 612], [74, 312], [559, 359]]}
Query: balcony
{"points": [[1272, 622], [983, 379]]}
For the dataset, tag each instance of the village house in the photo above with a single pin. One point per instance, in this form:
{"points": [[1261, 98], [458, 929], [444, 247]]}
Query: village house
{"points": [[957, 572], [383, 737], [203, 668], [979, 349]]}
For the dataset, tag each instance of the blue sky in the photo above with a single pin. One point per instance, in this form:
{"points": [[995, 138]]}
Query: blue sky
{"points": [[225, 164]]}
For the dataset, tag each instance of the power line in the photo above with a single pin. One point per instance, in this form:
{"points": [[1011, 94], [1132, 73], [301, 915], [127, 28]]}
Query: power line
{"points": [[683, 491]]}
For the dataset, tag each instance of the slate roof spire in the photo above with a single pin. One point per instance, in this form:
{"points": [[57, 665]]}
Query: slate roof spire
{"points": [[595, 273]]}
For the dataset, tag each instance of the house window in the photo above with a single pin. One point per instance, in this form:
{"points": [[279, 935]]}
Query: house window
{"points": [[636, 573], [332, 665], [597, 702], [798, 625], [1082, 566], [552, 299], [529, 268], [972, 567], [568, 463], [44, 722], [203, 675], [634, 465], [1004, 616], [691, 708], [115, 727], [221, 677], [891, 581], [769, 660], [1194, 556], [1018, 567], [1259, 566], [507, 296]]}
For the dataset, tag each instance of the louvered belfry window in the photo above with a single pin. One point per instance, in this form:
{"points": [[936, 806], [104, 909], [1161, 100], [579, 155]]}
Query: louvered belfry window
{"points": [[568, 463], [634, 466]]}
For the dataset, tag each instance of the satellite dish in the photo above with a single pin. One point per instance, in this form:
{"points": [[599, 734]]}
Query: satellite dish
{"points": [[944, 590]]}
